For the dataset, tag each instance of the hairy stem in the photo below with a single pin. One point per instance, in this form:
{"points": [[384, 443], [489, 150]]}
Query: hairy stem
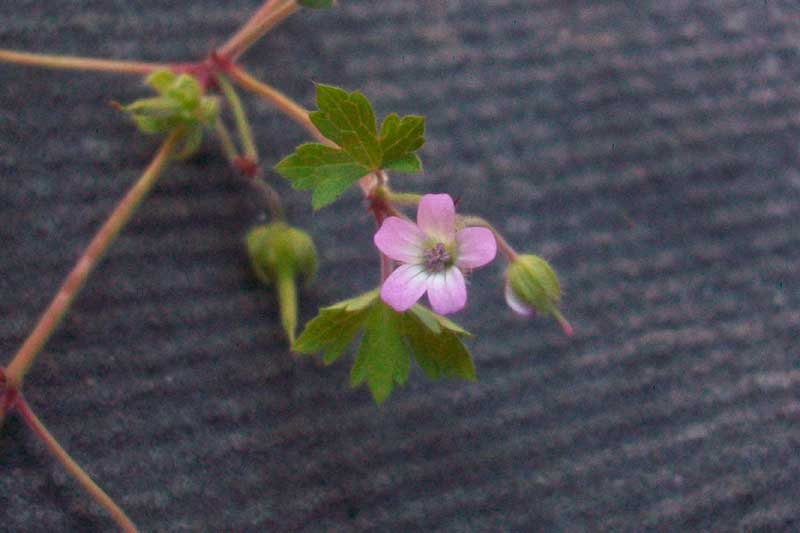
{"points": [[79, 63], [98, 494], [16, 370], [267, 17]]}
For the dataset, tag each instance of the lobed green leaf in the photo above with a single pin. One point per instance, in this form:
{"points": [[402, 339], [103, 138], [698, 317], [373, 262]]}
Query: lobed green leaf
{"points": [[401, 137], [382, 359], [348, 120], [325, 170]]}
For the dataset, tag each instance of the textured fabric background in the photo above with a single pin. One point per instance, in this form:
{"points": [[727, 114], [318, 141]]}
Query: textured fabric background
{"points": [[648, 149]]}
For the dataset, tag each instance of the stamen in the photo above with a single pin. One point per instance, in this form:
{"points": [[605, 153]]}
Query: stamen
{"points": [[436, 258]]}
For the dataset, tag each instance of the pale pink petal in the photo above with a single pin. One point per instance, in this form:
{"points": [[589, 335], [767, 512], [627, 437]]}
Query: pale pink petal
{"points": [[517, 305], [447, 291], [476, 247], [404, 287], [401, 240], [436, 216]]}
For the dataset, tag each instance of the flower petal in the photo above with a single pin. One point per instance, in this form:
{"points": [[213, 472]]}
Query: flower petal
{"points": [[447, 291], [436, 216], [476, 247], [517, 305], [404, 287], [401, 240]]}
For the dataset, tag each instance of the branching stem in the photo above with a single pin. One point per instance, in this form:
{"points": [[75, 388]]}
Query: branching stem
{"points": [[98, 494], [286, 105]]}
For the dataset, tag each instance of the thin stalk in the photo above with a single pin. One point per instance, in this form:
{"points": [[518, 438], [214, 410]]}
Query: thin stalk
{"points": [[16, 370], [566, 327], [80, 63], [286, 105], [271, 14], [502, 244], [403, 198], [225, 140], [248, 26], [270, 196], [240, 118], [287, 299], [94, 490]]}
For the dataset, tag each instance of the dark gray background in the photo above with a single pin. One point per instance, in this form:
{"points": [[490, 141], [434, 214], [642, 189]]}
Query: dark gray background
{"points": [[649, 150]]}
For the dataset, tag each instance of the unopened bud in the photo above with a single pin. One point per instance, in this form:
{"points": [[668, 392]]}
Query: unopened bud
{"points": [[280, 253], [180, 103], [532, 286]]}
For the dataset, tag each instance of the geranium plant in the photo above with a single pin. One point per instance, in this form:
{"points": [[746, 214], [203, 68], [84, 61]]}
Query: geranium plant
{"points": [[432, 255]]}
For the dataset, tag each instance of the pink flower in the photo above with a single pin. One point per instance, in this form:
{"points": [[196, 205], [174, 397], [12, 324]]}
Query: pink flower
{"points": [[433, 254]]}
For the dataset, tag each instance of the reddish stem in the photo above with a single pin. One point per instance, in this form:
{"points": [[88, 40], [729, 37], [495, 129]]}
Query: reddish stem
{"points": [[94, 490]]}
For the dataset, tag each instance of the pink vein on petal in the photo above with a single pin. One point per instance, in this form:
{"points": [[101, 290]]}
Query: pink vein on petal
{"points": [[404, 287]]}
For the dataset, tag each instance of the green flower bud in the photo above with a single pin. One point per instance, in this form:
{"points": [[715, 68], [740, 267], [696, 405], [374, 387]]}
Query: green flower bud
{"points": [[532, 286], [280, 253], [180, 103]]}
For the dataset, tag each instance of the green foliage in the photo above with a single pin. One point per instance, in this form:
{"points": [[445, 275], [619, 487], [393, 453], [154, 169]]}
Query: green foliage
{"points": [[389, 340], [382, 359], [348, 120], [180, 103], [327, 171], [316, 4]]}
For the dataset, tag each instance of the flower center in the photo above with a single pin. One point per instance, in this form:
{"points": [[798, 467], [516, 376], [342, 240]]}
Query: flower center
{"points": [[436, 258]]}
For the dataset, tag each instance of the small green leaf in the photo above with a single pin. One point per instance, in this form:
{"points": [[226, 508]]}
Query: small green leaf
{"points": [[358, 303], [409, 163], [335, 328], [330, 332], [325, 170], [383, 359], [437, 345], [401, 137], [428, 316], [316, 4], [348, 120]]}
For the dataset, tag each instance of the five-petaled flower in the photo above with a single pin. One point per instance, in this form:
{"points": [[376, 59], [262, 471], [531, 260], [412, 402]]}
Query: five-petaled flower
{"points": [[433, 253]]}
